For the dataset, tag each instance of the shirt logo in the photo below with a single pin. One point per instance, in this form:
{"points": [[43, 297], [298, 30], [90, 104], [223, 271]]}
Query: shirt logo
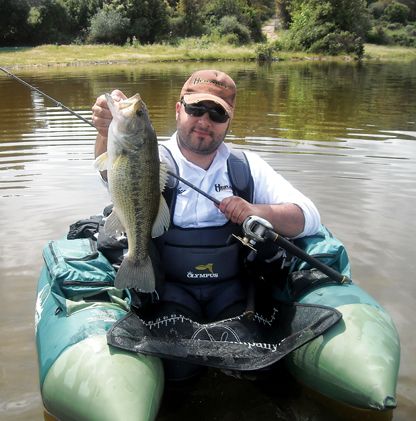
{"points": [[219, 188]]}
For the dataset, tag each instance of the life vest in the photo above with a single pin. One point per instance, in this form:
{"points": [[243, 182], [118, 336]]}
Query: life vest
{"points": [[206, 255]]}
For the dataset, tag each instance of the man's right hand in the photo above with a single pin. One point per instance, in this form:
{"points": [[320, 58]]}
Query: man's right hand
{"points": [[101, 115], [101, 118]]}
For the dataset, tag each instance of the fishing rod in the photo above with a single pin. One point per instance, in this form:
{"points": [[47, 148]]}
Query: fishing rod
{"points": [[255, 228], [64, 107], [59, 104]]}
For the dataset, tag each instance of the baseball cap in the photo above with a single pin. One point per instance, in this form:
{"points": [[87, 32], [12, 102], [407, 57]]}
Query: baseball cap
{"points": [[210, 85]]}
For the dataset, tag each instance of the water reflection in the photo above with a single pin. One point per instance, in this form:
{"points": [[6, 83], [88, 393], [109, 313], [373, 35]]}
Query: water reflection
{"points": [[344, 134]]}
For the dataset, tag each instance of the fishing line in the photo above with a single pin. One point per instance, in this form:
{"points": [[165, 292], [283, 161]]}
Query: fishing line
{"points": [[59, 104], [272, 235], [64, 107]]}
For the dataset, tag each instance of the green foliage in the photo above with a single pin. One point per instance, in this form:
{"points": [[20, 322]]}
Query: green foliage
{"points": [[149, 19], [109, 26], [378, 35], [229, 25], [404, 38], [389, 23], [13, 26], [48, 22], [411, 4], [248, 16], [324, 26], [264, 52], [80, 13], [45, 21], [331, 26], [376, 9], [187, 20], [339, 42], [283, 13], [396, 12]]}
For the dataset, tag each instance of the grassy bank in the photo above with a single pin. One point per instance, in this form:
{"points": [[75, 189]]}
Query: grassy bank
{"points": [[52, 55]]}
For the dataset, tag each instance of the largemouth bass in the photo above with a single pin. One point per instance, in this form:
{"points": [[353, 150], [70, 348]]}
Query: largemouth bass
{"points": [[136, 179]]}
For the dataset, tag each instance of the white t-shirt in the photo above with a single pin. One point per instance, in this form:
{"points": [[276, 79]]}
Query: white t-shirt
{"points": [[193, 210]]}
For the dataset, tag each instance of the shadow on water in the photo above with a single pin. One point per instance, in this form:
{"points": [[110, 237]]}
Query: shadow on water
{"points": [[344, 134]]}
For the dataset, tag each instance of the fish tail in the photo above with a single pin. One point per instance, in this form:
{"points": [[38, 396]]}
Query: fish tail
{"points": [[137, 274]]}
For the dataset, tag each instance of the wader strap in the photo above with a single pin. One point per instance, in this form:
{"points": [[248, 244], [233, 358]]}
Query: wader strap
{"points": [[240, 175], [169, 194]]}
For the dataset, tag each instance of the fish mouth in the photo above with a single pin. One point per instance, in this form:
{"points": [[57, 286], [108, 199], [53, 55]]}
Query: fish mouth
{"points": [[133, 105], [138, 105]]}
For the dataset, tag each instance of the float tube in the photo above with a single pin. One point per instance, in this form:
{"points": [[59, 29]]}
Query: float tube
{"points": [[354, 362]]}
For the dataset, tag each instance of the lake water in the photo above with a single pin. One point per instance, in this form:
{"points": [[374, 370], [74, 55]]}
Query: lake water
{"points": [[344, 134]]}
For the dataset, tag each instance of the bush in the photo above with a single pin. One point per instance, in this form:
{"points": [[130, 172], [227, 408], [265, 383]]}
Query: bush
{"points": [[179, 27], [394, 26], [396, 12], [109, 26], [378, 35], [186, 21], [264, 52], [403, 38], [377, 8], [329, 26], [149, 20], [229, 25], [339, 42], [79, 13], [411, 30], [215, 10]]}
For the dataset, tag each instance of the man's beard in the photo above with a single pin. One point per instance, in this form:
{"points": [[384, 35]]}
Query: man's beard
{"points": [[200, 145]]}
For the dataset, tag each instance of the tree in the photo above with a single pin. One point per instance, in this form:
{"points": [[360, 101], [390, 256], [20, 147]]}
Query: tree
{"points": [[330, 26], [109, 26], [187, 20], [283, 13], [396, 12], [49, 22], [80, 13], [149, 19], [13, 27], [246, 15]]}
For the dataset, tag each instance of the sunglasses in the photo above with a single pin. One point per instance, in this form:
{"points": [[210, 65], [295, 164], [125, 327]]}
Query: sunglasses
{"points": [[216, 114]]}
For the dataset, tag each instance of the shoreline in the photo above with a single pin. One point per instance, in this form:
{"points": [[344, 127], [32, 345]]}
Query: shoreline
{"points": [[46, 56]]}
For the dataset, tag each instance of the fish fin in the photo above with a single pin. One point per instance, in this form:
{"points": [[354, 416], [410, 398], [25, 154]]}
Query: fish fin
{"points": [[113, 225], [162, 220], [101, 162], [137, 274], [163, 176]]}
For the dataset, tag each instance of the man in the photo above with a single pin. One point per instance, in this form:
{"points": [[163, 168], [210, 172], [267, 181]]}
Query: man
{"points": [[197, 241]]}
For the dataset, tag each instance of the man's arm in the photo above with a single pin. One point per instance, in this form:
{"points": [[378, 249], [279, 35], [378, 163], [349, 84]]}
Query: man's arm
{"points": [[291, 213], [100, 145]]}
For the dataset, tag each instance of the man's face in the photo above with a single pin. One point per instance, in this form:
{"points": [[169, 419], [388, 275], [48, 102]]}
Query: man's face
{"points": [[199, 134]]}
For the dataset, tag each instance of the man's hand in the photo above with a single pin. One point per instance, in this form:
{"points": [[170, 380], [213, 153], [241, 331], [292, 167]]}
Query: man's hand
{"points": [[101, 115], [236, 209], [286, 218]]}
